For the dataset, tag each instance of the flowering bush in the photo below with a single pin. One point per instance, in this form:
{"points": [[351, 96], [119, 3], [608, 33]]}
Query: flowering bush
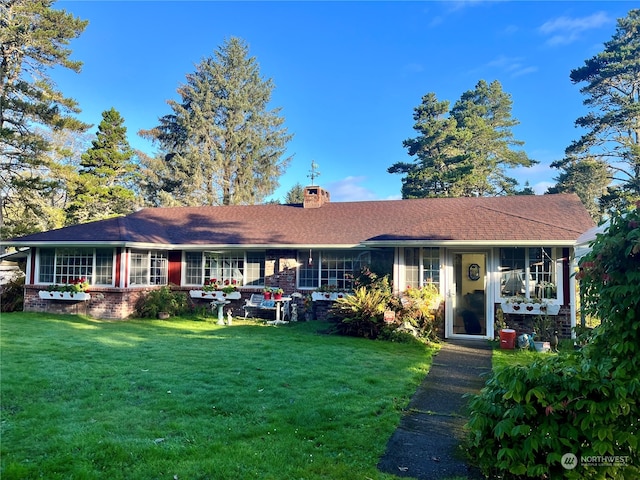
{"points": [[76, 285]]}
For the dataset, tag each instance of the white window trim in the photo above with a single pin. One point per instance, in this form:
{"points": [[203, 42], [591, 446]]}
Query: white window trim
{"points": [[557, 259], [148, 253], [91, 280]]}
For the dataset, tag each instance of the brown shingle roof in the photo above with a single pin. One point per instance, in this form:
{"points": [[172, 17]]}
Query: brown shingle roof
{"points": [[559, 218]]}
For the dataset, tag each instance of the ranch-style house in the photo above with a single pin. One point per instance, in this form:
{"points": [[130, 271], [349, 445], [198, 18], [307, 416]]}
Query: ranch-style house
{"points": [[513, 254]]}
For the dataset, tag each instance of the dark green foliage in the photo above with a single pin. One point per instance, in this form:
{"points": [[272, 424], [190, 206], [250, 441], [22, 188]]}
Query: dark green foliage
{"points": [[220, 145], [162, 300], [588, 178], [12, 298], [33, 39], [586, 403], [611, 82], [104, 186], [465, 151], [295, 194]]}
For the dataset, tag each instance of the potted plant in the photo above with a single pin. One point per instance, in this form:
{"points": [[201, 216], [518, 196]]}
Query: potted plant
{"points": [[267, 293], [277, 294], [543, 327]]}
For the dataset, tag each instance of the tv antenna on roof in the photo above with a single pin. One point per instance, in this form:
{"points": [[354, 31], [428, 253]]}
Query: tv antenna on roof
{"points": [[313, 173]]}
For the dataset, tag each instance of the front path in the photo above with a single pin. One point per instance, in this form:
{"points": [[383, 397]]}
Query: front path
{"points": [[426, 444]]}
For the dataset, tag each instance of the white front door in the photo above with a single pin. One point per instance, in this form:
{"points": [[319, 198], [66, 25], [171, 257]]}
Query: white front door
{"points": [[467, 306]]}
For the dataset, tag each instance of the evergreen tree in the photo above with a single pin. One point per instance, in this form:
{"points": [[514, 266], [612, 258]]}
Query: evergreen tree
{"points": [[33, 39], [588, 178], [612, 88], [464, 151], [295, 194], [104, 185], [221, 145]]}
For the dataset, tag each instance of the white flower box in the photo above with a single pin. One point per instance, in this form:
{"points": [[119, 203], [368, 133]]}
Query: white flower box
{"points": [[69, 296], [524, 308], [327, 296], [215, 295]]}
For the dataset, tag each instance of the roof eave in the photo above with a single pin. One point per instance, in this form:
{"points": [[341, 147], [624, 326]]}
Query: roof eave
{"points": [[470, 243]]}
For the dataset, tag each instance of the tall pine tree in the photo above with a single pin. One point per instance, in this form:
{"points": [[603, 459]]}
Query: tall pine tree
{"points": [[221, 145], [611, 84], [104, 186], [465, 151], [33, 39]]}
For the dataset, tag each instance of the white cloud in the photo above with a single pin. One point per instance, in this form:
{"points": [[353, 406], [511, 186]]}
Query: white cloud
{"points": [[349, 190], [565, 30], [514, 66], [541, 187]]}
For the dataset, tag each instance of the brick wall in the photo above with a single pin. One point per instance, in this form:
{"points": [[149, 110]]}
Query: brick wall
{"points": [[524, 323], [106, 303]]}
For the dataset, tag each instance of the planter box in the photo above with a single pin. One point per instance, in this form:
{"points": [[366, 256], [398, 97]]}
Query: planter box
{"points": [[68, 296], [327, 296], [530, 308], [215, 295]]}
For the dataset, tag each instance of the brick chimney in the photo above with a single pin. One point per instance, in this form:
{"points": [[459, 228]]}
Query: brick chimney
{"points": [[315, 197]]}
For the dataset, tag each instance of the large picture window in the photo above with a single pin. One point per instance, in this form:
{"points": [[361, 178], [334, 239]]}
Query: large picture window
{"points": [[245, 268], [335, 269], [148, 268], [528, 272], [65, 265]]}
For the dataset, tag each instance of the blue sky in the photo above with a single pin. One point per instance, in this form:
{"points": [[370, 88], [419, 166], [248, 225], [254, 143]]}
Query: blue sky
{"points": [[348, 74]]}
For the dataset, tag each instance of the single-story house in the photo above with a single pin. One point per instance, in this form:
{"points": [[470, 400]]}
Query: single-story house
{"points": [[484, 254]]}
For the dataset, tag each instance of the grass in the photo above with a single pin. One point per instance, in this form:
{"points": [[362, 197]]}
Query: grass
{"points": [[504, 357], [187, 399]]}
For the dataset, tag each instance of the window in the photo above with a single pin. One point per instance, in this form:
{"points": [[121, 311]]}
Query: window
{"points": [[333, 268], [245, 269], [421, 266], [148, 268], [411, 268], [104, 267], [64, 265], [431, 266], [528, 272], [308, 269]]}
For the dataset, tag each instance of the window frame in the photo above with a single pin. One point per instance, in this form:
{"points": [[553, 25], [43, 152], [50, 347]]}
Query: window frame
{"points": [[326, 262], [530, 285], [417, 267], [206, 270], [150, 256], [58, 253]]}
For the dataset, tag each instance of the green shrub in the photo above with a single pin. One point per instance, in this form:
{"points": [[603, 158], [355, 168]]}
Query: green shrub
{"points": [[586, 403], [12, 298], [419, 307], [161, 300], [362, 313]]}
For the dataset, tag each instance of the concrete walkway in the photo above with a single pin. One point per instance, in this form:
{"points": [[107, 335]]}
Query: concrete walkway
{"points": [[426, 445]]}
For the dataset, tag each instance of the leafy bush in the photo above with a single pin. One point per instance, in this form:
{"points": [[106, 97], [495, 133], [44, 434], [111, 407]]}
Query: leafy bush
{"points": [[362, 313], [161, 300], [419, 307], [12, 298], [586, 403]]}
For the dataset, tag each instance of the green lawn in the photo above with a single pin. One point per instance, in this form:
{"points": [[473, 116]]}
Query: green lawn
{"points": [[502, 358], [187, 399]]}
